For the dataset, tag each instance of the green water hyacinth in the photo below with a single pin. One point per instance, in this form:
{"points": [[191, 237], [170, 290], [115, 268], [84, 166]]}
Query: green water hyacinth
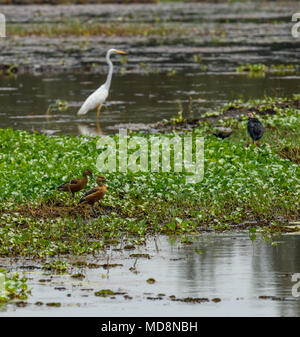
{"points": [[240, 183]]}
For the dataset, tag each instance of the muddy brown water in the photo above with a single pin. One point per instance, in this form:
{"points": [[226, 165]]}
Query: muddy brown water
{"points": [[249, 279], [133, 98]]}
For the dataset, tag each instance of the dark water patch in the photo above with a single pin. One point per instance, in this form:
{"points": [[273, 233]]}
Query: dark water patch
{"points": [[143, 99]]}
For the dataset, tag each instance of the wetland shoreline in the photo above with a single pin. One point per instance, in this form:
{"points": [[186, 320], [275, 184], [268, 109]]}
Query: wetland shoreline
{"points": [[140, 203], [159, 37]]}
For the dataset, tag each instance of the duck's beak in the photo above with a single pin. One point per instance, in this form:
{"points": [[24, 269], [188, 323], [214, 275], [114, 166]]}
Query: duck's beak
{"points": [[121, 52], [93, 177]]}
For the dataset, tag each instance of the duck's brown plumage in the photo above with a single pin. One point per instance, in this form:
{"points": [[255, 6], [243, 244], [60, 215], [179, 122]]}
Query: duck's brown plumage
{"points": [[76, 185], [94, 194]]}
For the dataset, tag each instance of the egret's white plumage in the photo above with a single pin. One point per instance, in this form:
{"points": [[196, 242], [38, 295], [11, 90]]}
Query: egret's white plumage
{"points": [[94, 100], [98, 97]]}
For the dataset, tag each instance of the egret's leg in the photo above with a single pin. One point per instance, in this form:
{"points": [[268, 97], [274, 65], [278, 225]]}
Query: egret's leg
{"points": [[98, 110], [98, 121]]}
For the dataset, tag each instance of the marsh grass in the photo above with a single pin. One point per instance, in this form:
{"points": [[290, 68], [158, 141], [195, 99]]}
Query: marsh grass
{"points": [[76, 28]]}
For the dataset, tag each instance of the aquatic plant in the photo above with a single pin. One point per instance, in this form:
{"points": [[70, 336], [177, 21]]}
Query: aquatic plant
{"points": [[240, 183], [60, 105], [14, 287], [259, 70]]}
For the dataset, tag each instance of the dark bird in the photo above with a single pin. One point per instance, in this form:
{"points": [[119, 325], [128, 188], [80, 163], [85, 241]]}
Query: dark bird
{"points": [[95, 194], [76, 185], [255, 128]]}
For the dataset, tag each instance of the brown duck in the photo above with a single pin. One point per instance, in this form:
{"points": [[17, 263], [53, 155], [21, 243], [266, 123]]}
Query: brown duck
{"points": [[76, 185], [95, 194]]}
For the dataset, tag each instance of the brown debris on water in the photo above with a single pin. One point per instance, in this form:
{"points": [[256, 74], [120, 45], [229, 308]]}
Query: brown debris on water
{"points": [[78, 276], [54, 304], [146, 256], [154, 298], [192, 299], [112, 265], [129, 247], [151, 280], [21, 304], [216, 300], [273, 298]]}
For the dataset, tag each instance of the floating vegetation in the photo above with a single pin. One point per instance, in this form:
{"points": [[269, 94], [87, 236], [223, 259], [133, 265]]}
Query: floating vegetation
{"points": [[111, 265], [8, 69], [171, 72], [273, 298], [254, 70], [151, 280], [104, 293], [108, 292], [80, 264], [59, 105], [259, 70], [54, 304], [78, 276], [129, 247], [58, 266], [93, 266], [216, 299], [191, 299], [12, 287], [146, 256]]}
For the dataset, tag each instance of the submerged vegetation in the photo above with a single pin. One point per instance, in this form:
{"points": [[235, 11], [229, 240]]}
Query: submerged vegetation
{"points": [[241, 183]]}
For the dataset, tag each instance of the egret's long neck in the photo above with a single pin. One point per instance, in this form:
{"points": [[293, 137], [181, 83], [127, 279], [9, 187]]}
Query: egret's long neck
{"points": [[110, 71]]}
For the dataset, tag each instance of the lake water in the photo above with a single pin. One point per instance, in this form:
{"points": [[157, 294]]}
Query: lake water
{"points": [[133, 98], [225, 266]]}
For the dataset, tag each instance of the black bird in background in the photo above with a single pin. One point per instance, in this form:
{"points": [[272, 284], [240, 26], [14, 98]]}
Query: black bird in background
{"points": [[255, 128]]}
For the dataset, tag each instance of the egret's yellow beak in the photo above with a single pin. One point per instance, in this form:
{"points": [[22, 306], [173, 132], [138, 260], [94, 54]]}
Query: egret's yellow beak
{"points": [[120, 52]]}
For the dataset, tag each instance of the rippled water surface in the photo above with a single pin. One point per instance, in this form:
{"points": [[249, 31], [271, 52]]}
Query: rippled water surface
{"points": [[223, 266], [133, 98]]}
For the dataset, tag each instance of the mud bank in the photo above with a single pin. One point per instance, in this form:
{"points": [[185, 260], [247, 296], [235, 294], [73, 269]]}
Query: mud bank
{"points": [[159, 37]]}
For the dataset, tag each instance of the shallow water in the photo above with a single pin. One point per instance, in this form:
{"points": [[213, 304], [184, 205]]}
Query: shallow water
{"points": [[224, 266], [229, 35], [133, 98]]}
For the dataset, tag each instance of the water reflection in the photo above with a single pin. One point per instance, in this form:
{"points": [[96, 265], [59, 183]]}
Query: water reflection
{"points": [[226, 266], [133, 98]]}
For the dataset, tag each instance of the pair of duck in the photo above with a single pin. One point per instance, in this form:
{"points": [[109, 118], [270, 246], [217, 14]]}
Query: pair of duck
{"points": [[91, 196]]}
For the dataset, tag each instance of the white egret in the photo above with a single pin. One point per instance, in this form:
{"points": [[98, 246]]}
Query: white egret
{"points": [[98, 97]]}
